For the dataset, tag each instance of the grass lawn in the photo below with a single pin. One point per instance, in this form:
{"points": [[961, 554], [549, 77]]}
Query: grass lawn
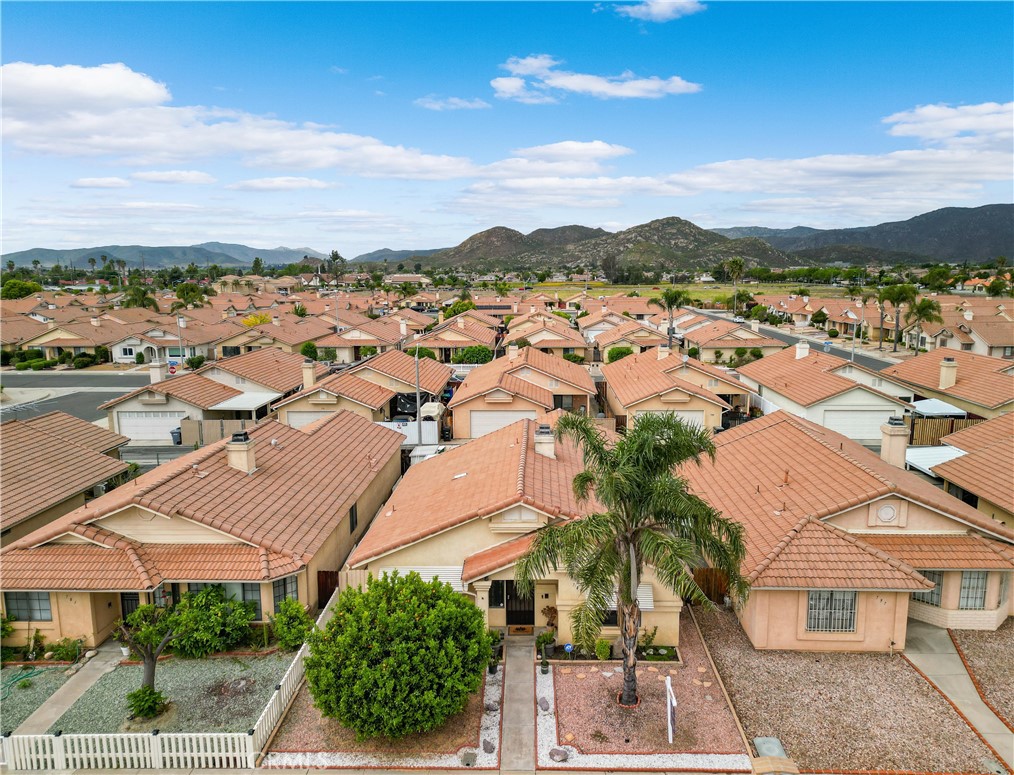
{"points": [[991, 658], [705, 292], [207, 695], [27, 693], [841, 711]]}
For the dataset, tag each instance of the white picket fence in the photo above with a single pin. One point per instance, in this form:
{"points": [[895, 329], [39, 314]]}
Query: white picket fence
{"points": [[186, 750]]}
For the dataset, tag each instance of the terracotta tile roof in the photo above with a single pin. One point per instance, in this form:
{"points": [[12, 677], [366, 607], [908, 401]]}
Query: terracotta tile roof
{"points": [[560, 335], [807, 380], [773, 473], [349, 386], [968, 551], [268, 366], [996, 332], [16, 329], [599, 316], [505, 374], [192, 389], [461, 326], [987, 472], [980, 379], [414, 319], [495, 558], [724, 333], [39, 470], [77, 431], [283, 517], [72, 566], [433, 376], [479, 383], [476, 480], [984, 434], [632, 331], [638, 377], [372, 333]]}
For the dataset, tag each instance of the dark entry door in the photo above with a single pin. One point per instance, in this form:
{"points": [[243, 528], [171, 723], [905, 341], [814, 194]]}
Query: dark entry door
{"points": [[129, 602], [520, 610]]}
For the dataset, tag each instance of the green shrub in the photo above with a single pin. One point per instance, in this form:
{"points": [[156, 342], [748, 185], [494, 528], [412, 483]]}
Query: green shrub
{"points": [[367, 352], [83, 362], [309, 350], [195, 362], [647, 639], [51, 363], [6, 625], [694, 352], [5, 358], [37, 365], [26, 684], [756, 353], [101, 354], [66, 356], [66, 650], [603, 649], [206, 622], [398, 658], [139, 357], [617, 353], [32, 355], [573, 357], [740, 353], [475, 354], [146, 702], [833, 333], [424, 352], [328, 354], [292, 624], [21, 366], [544, 638]]}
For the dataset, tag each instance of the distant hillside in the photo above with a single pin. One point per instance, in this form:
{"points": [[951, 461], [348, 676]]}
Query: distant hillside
{"points": [[386, 254], [155, 257], [949, 234], [565, 235], [857, 254]]}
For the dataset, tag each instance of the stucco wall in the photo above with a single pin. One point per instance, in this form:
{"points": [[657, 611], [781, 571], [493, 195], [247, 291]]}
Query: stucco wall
{"points": [[461, 419], [41, 519], [341, 403]]}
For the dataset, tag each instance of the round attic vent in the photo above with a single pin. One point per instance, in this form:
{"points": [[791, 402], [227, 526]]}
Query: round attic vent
{"points": [[887, 513]]}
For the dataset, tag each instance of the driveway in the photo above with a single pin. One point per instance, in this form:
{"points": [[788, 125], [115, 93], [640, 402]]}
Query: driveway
{"points": [[78, 393]]}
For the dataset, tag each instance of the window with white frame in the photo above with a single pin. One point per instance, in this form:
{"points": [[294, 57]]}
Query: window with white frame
{"points": [[712, 383], [877, 381], [128, 351], [1004, 587], [831, 611], [973, 590], [28, 606], [284, 588], [930, 596]]}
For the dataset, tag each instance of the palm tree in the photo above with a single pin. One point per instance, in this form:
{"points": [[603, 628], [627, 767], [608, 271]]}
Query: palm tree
{"points": [[923, 311], [139, 296], [899, 295], [734, 268], [502, 289], [670, 301], [648, 518], [405, 290]]}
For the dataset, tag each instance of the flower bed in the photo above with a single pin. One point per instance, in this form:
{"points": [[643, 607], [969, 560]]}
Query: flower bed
{"points": [[307, 739], [989, 656], [841, 711], [23, 700], [206, 695]]}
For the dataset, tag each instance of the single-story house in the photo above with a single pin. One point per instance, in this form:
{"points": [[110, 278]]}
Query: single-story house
{"points": [[983, 474], [448, 339], [637, 336], [718, 340], [381, 336], [337, 393], [979, 385], [287, 334], [396, 370], [551, 337]]}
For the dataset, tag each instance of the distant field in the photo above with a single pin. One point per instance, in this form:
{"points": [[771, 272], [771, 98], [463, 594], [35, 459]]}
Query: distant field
{"points": [[708, 292]]}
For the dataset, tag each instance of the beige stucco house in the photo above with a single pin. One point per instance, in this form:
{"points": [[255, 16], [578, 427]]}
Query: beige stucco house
{"points": [[718, 341], [979, 385], [982, 475], [336, 393]]}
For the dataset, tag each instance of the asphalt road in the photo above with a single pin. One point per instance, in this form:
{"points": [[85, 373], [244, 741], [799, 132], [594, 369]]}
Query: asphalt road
{"points": [[83, 405], [72, 378]]}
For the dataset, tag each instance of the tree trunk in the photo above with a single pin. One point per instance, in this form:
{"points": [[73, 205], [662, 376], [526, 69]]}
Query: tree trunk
{"points": [[631, 613], [897, 329], [150, 661], [670, 331], [881, 346]]}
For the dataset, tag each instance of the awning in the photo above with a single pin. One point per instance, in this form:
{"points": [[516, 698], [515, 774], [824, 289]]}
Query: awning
{"points": [[247, 402], [432, 409], [924, 458], [934, 407]]}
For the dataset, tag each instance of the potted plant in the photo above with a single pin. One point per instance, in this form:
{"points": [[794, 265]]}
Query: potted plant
{"points": [[545, 642], [544, 665]]}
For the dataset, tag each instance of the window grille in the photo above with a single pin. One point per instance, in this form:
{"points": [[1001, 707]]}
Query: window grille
{"points": [[829, 611], [973, 590], [252, 594], [496, 594], [930, 596], [283, 588], [28, 606]]}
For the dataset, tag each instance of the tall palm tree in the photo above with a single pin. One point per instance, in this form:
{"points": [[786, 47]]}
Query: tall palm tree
{"points": [[139, 296], [923, 311], [899, 296], [670, 301], [649, 518], [735, 268], [405, 290]]}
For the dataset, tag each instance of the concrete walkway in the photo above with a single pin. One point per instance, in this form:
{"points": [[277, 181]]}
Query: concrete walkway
{"points": [[517, 747], [932, 651], [60, 701]]}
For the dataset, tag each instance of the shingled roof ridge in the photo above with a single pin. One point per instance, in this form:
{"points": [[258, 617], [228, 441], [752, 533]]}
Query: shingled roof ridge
{"points": [[523, 460], [778, 549], [992, 545], [842, 454], [265, 564]]}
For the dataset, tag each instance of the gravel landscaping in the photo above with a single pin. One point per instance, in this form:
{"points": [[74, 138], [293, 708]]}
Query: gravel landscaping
{"points": [[20, 703], [990, 655], [207, 695], [307, 739], [841, 711]]}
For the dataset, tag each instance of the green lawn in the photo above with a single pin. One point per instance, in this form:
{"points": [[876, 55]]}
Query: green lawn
{"points": [[708, 292]]}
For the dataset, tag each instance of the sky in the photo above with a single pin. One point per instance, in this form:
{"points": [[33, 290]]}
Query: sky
{"points": [[356, 126]]}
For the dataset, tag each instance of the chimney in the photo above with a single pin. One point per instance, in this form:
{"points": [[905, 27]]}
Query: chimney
{"points": [[894, 442], [512, 353], [225, 314], [157, 371], [461, 321], [948, 373], [275, 320], [806, 300], [515, 310], [969, 315], [181, 321], [802, 350], [755, 325], [663, 351], [440, 317], [545, 444], [309, 374], [403, 328], [95, 322], [240, 452], [531, 308]]}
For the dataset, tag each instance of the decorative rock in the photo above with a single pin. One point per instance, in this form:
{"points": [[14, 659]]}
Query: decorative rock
{"points": [[48, 655], [581, 676], [652, 669], [608, 675], [488, 746], [543, 703], [673, 671], [566, 671], [660, 678], [707, 684], [558, 755], [468, 758], [698, 682], [492, 707], [90, 654], [569, 736], [708, 697], [618, 669]]}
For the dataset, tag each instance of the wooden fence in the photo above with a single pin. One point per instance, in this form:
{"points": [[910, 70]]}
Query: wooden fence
{"points": [[927, 431], [713, 583], [204, 432]]}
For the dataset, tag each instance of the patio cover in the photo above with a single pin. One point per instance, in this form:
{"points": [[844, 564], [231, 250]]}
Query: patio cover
{"points": [[934, 407], [247, 402], [924, 458]]}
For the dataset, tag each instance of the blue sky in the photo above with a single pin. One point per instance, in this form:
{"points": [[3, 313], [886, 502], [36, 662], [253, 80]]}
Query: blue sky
{"points": [[363, 125]]}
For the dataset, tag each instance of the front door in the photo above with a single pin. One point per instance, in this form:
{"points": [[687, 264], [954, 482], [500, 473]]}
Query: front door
{"points": [[520, 610], [129, 602]]}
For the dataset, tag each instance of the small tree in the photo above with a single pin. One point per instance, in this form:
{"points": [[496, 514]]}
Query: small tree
{"points": [[139, 357], [694, 352], [299, 311], [256, 319], [309, 350], [462, 305], [367, 352], [399, 658], [194, 362], [291, 624], [617, 353], [718, 356], [147, 631], [475, 354], [818, 318], [423, 352], [329, 354], [756, 353]]}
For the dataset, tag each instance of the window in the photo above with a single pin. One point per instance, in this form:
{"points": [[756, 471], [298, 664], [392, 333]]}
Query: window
{"points": [[160, 596], [563, 402], [1008, 352], [878, 381], [712, 383], [973, 590], [554, 383], [174, 352], [353, 517], [611, 618], [228, 352], [252, 594], [283, 588], [829, 611], [570, 350], [127, 351], [240, 381], [930, 596], [496, 594], [28, 606], [1004, 588], [967, 497], [966, 345]]}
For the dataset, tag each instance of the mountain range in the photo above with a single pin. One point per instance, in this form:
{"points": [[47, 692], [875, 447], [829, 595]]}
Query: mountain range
{"points": [[154, 257]]}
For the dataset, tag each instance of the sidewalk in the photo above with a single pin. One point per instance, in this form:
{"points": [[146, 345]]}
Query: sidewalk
{"points": [[930, 649], [59, 703], [517, 747]]}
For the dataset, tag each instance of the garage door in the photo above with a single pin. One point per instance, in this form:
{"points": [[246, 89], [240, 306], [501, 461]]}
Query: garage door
{"points": [[857, 423], [689, 416], [484, 422], [148, 426], [299, 419]]}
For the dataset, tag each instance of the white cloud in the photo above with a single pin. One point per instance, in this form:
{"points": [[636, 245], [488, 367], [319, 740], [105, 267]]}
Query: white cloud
{"points": [[279, 184], [567, 158], [573, 150], [988, 123], [194, 177], [52, 113], [660, 10], [533, 79], [432, 102], [100, 183]]}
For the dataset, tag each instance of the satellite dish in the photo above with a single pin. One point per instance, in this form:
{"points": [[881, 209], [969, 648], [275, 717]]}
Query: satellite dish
{"points": [[684, 358]]}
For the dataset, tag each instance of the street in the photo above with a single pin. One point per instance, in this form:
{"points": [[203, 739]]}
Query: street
{"points": [[114, 380], [78, 393]]}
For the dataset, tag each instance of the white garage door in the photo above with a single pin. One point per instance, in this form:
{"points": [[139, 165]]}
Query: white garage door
{"points": [[299, 419], [857, 423], [148, 426], [486, 421], [689, 416]]}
